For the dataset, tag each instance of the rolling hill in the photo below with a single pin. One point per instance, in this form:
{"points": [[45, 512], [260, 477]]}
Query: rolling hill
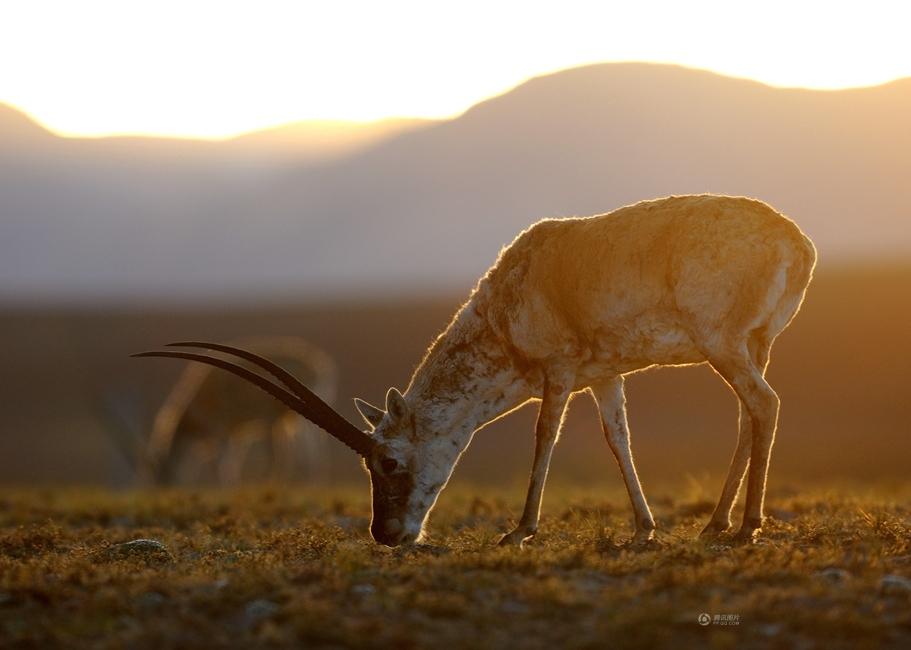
{"points": [[429, 206]]}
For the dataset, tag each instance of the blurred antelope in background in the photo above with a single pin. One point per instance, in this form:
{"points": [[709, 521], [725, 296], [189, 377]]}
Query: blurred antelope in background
{"points": [[212, 420], [575, 305]]}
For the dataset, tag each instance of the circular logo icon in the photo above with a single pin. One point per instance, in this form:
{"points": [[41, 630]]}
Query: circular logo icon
{"points": [[704, 619]]}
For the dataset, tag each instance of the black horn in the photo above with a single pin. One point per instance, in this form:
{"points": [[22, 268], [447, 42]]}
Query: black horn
{"points": [[294, 394]]}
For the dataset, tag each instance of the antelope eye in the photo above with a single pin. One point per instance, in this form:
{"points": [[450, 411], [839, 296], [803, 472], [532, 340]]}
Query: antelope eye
{"points": [[389, 465]]}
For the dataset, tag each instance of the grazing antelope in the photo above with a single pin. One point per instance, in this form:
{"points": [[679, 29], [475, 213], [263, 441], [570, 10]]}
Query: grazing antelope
{"points": [[211, 417], [575, 304]]}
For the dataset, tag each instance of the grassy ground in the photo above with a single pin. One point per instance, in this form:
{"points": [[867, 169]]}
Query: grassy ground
{"points": [[272, 568]]}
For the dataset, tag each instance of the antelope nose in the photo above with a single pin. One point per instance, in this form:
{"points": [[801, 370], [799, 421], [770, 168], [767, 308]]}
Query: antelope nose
{"points": [[387, 531]]}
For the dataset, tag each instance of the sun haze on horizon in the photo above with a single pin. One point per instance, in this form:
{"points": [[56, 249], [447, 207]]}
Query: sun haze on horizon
{"points": [[215, 69]]}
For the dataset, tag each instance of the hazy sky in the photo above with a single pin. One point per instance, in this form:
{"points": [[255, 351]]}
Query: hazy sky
{"points": [[214, 68]]}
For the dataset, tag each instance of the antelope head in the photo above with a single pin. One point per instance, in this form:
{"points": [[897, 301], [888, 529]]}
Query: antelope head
{"points": [[406, 473], [402, 494]]}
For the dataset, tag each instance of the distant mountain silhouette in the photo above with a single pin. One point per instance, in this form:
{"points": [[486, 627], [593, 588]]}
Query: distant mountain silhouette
{"points": [[321, 139], [296, 142], [17, 128], [431, 206]]}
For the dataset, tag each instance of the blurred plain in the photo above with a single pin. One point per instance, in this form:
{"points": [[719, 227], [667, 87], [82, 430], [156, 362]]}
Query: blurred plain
{"points": [[365, 239]]}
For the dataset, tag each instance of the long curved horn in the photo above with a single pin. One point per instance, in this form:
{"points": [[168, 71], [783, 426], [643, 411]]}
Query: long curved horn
{"points": [[313, 408], [293, 384]]}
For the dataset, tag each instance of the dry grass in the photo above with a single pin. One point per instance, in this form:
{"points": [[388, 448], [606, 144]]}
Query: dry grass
{"points": [[275, 568]]}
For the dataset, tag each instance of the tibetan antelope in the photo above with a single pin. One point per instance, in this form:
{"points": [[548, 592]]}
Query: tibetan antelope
{"points": [[571, 305], [212, 419]]}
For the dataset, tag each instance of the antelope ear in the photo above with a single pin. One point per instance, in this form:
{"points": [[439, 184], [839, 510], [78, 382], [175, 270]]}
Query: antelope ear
{"points": [[371, 414], [395, 405]]}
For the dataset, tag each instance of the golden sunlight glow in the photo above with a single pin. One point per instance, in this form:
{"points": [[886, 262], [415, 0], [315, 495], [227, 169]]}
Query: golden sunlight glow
{"points": [[216, 68]]}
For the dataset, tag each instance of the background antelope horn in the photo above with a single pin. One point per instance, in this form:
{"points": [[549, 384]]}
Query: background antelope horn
{"points": [[314, 409], [295, 385]]}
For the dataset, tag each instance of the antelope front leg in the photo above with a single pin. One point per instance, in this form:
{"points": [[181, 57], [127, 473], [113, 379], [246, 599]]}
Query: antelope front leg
{"points": [[547, 430], [612, 407]]}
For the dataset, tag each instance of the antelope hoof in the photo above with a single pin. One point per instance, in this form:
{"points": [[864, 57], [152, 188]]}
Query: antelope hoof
{"points": [[746, 535], [643, 537], [714, 529], [749, 530], [517, 537]]}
